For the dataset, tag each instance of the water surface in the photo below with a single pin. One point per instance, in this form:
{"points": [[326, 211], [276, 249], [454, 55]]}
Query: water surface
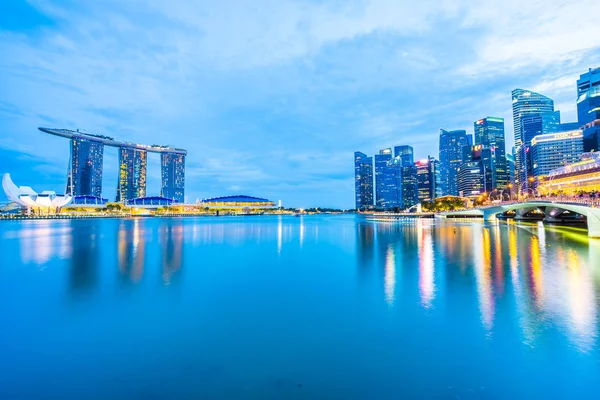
{"points": [[282, 307]]}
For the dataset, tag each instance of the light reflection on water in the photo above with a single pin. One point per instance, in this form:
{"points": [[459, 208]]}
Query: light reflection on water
{"points": [[272, 307]]}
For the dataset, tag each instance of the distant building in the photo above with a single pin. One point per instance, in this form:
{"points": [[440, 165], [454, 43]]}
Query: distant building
{"points": [[471, 179], [132, 174], [486, 159], [385, 181], [85, 165], [510, 158], [85, 169], [489, 133], [363, 181], [555, 150], [406, 154], [451, 154], [24, 196], [173, 176], [428, 179], [526, 104], [588, 108], [237, 201]]}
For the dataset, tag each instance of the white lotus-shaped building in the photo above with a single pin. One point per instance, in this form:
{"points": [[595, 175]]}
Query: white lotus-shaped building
{"points": [[27, 197]]}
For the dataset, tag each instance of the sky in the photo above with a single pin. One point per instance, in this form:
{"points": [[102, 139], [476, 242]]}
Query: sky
{"points": [[271, 98]]}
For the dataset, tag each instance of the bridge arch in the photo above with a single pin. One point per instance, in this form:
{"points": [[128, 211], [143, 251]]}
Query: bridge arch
{"points": [[591, 213]]}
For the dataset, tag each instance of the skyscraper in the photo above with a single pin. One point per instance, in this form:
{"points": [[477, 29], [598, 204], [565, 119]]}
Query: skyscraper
{"points": [[384, 179], [588, 108], [451, 153], [485, 159], [173, 176], [489, 132], [526, 103], [428, 179], [85, 170], [363, 181], [406, 154], [132, 174]]}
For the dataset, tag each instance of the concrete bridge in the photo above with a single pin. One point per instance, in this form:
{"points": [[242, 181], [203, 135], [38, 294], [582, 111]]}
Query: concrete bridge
{"points": [[551, 209]]}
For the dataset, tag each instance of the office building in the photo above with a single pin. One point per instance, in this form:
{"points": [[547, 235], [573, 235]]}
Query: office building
{"points": [[428, 179], [385, 185], [406, 155], [471, 179], [555, 150], [363, 181], [486, 160], [132, 174], [451, 154], [588, 108], [588, 96], [510, 159], [85, 170], [526, 104], [173, 176], [489, 133]]}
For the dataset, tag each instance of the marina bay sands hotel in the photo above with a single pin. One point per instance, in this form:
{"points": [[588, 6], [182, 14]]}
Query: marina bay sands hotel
{"points": [[85, 166]]}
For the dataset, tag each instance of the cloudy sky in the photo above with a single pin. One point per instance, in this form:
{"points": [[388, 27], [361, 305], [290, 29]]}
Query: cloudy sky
{"points": [[272, 97]]}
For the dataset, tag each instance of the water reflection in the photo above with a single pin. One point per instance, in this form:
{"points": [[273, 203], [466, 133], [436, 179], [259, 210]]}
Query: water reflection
{"points": [[132, 248], [171, 243], [84, 257], [553, 273]]}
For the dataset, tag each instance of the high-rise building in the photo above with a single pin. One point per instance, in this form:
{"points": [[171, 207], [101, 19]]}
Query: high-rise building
{"points": [[406, 155], [588, 108], [555, 150], [85, 170], [385, 184], [486, 158], [173, 176], [471, 179], [510, 159], [451, 154], [363, 181], [410, 186], [132, 174], [489, 132], [526, 103], [428, 179]]}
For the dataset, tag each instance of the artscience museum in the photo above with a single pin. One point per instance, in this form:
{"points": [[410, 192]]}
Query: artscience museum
{"points": [[46, 201]]}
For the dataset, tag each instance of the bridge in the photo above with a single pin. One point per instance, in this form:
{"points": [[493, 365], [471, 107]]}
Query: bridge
{"points": [[552, 209]]}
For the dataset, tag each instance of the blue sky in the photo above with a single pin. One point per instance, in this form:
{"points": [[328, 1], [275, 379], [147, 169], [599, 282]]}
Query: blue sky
{"points": [[271, 98]]}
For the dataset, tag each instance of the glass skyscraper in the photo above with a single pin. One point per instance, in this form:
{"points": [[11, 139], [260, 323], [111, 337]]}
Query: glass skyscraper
{"points": [[173, 176], [385, 182], [132, 174], [451, 155], [85, 170], [406, 154], [428, 179], [363, 181], [489, 133], [588, 108], [526, 103]]}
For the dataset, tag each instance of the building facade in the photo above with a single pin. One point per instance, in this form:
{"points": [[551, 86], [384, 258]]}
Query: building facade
{"points": [[173, 176], [489, 133], [555, 150], [132, 174], [406, 154], [428, 179], [451, 155], [526, 104], [85, 170], [363, 181]]}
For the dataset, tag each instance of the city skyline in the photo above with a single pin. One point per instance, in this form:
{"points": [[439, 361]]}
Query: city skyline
{"points": [[278, 121]]}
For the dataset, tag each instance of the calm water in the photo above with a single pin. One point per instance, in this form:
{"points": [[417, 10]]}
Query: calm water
{"points": [[285, 307]]}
